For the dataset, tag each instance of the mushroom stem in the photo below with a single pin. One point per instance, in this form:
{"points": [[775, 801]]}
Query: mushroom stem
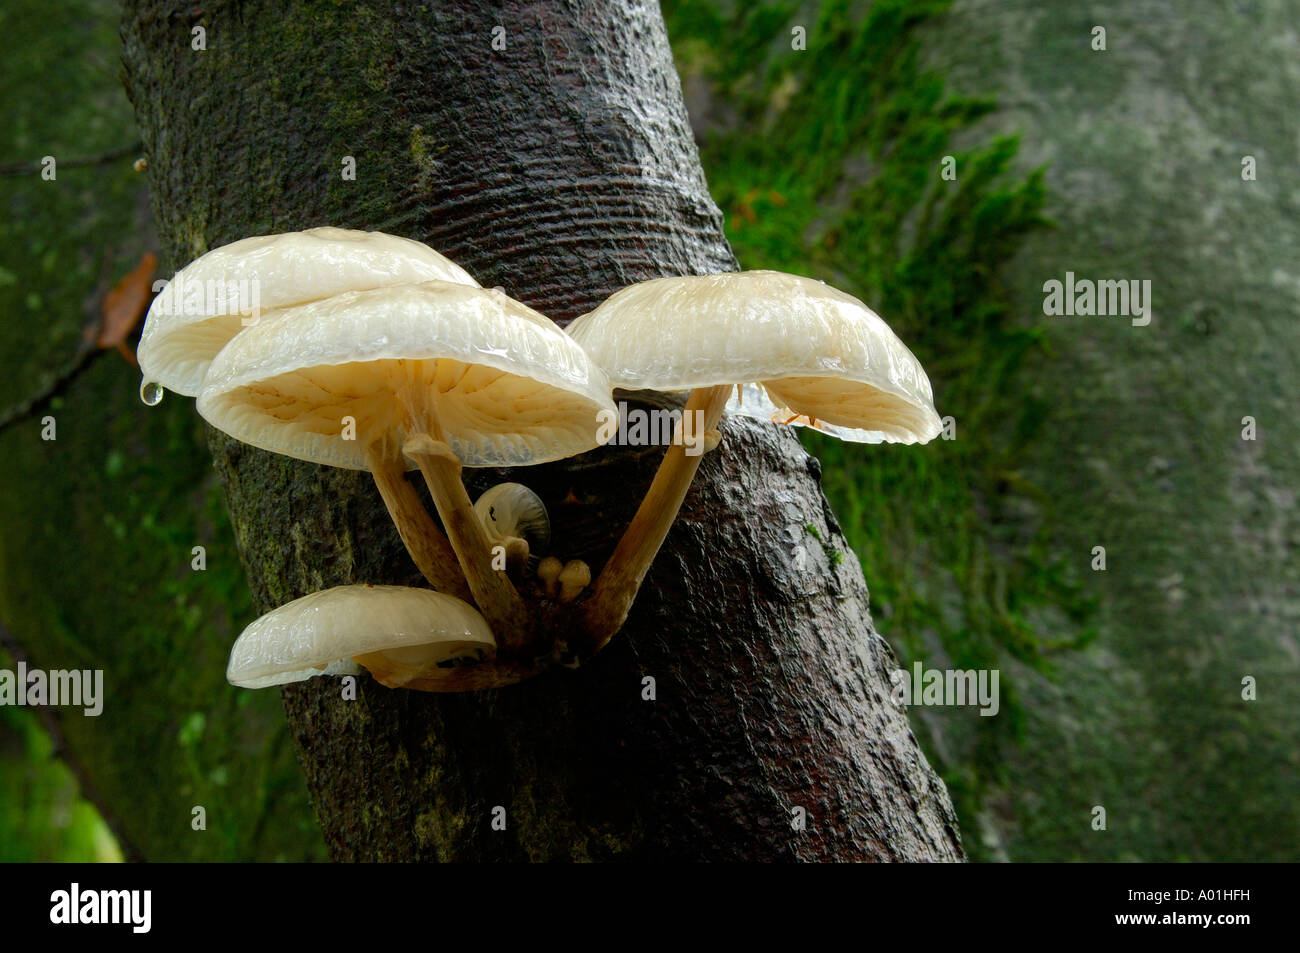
{"points": [[516, 555], [619, 581], [429, 549], [497, 599]]}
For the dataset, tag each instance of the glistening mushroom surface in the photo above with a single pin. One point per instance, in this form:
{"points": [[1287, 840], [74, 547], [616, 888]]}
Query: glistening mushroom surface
{"points": [[508, 387], [805, 349], [182, 335], [320, 632], [789, 342], [437, 375]]}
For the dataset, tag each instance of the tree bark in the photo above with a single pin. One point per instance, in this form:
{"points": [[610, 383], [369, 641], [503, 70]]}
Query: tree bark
{"points": [[560, 168]]}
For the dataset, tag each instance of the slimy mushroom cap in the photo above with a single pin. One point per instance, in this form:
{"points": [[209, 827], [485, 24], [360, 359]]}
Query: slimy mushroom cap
{"points": [[182, 333], [799, 348], [320, 633], [506, 385]]}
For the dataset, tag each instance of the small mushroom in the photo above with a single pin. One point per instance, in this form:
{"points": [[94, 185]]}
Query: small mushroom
{"points": [[574, 578], [208, 301], [406, 638], [548, 571], [515, 517], [438, 374], [803, 353]]}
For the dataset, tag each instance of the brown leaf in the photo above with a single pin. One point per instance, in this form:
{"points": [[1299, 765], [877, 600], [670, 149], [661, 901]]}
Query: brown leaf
{"points": [[125, 305]]}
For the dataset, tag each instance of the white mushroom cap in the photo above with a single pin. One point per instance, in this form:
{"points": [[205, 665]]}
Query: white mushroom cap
{"points": [[507, 386], [320, 633], [183, 333], [806, 349]]}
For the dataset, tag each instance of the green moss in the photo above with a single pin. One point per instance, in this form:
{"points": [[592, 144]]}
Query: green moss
{"points": [[970, 557], [831, 167], [834, 556], [1144, 436]]}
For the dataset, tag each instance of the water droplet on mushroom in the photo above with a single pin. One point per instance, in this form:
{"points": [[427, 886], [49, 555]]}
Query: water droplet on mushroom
{"points": [[151, 393]]}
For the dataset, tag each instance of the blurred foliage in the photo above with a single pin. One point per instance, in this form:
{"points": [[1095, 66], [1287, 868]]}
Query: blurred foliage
{"points": [[97, 527], [827, 162], [43, 817]]}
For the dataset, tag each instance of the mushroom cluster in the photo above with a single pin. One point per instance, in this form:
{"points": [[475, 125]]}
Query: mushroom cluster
{"points": [[372, 352]]}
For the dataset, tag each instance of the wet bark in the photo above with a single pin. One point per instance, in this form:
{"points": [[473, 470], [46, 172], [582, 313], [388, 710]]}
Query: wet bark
{"points": [[560, 168]]}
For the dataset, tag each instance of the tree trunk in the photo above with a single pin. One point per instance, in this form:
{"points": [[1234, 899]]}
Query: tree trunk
{"points": [[560, 168]]}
